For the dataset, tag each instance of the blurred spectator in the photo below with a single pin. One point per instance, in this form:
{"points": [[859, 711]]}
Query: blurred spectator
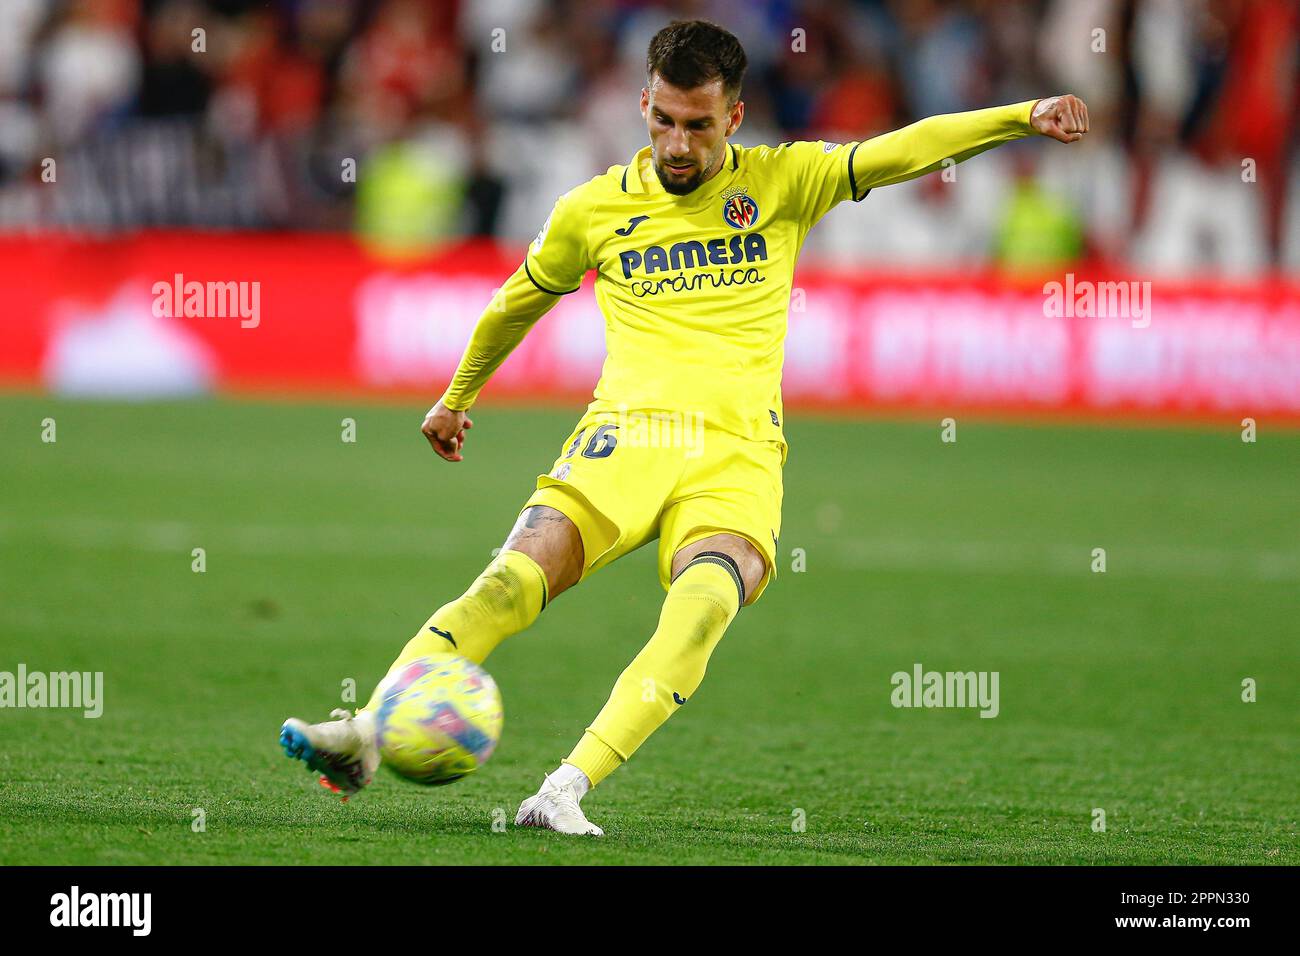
{"points": [[89, 68], [468, 117], [1038, 233], [174, 83]]}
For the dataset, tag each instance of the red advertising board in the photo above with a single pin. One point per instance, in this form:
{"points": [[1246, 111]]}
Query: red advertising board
{"points": [[167, 313]]}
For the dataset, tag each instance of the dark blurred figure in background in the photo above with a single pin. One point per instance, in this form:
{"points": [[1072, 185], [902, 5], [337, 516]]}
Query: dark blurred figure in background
{"points": [[418, 121]]}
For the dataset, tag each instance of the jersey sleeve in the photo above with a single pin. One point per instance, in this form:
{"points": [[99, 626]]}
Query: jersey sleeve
{"points": [[929, 144], [560, 255], [513, 311], [821, 176]]}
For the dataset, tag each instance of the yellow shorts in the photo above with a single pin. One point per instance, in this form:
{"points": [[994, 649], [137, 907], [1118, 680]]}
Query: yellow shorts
{"points": [[627, 478]]}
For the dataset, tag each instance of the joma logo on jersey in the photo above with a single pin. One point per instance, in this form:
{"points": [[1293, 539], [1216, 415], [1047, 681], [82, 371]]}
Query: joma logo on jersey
{"points": [[694, 254]]}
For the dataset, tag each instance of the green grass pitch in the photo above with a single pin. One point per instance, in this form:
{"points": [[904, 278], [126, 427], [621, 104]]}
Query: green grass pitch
{"points": [[1120, 691]]}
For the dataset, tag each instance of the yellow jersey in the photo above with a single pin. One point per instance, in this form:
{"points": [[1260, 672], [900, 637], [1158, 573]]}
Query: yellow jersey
{"points": [[695, 288]]}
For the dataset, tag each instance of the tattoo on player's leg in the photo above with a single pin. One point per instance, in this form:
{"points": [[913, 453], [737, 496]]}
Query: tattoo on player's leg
{"points": [[552, 540]]}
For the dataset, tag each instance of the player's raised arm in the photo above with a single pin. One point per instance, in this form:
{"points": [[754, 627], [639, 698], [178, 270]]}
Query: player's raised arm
{"points": [[924, 146], [555, 264]]}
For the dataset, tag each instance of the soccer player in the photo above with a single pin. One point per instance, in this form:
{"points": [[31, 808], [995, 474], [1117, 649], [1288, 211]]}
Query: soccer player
{"points": [[694, 243]]}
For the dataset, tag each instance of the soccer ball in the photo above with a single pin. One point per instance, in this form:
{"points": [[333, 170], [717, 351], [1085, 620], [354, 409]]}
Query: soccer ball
{"points": [[439, 718]]}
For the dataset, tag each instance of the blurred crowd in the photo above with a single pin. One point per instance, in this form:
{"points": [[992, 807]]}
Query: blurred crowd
{"points": [[417, 121]]}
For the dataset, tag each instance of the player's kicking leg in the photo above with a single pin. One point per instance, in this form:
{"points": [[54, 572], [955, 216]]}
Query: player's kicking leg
{"points": [[541, 558], [710, 580]]}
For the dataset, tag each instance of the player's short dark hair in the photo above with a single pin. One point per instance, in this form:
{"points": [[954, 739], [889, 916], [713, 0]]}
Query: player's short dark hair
{"points": [[690, 53]]}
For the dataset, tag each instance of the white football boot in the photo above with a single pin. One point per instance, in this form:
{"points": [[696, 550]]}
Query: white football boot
{"points": [[555, 807], [343, 750]]}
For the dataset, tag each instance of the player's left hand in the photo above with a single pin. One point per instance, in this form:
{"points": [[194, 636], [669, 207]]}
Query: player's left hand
{"points": [[1064, 118], [445, 429]]}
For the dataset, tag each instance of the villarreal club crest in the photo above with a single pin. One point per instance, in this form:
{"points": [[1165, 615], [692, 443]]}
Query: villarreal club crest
{"points": [[739, 210]]}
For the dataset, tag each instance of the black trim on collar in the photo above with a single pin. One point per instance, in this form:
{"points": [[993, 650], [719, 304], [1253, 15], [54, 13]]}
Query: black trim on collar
{"points": [[735, 157], [853, 180], [625, 169], [542, 287]]}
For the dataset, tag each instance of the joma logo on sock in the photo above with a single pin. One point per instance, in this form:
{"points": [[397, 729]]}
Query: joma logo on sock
{"points": [[103, 909], [922, 688], [446, 635]]}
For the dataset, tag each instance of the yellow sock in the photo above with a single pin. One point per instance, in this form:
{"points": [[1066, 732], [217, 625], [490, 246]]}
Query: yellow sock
{"points": [[503, 600], [700, 604]]}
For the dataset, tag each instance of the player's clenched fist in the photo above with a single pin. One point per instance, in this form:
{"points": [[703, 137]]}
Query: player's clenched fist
{"points": [[445, 428], [1063, 118]]}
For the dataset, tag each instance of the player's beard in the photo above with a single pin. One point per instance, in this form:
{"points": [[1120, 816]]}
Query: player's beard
{"points": [[681, 187]]}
